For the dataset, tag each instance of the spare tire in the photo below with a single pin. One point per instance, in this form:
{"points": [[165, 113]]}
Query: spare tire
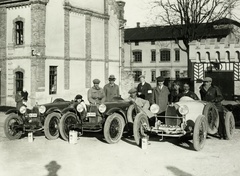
{"points": [[210, 111], [229, 125]]}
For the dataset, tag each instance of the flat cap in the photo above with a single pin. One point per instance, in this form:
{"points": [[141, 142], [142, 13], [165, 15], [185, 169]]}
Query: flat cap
{"points": [[207, 79], [96, 81], [111, 77], [78, 97], [133, 90], [160, 79], [141, 76]]}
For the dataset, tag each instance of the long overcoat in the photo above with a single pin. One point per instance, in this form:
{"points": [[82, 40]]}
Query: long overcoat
{"points": [[160, 97]]}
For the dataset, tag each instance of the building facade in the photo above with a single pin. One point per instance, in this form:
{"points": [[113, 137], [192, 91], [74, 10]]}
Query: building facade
{"points": [[153, 52], [218, 56], [55, 48]]}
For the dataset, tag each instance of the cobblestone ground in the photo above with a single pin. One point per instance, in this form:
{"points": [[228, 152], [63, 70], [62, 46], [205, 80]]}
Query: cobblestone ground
{"points": [[93, 156]]}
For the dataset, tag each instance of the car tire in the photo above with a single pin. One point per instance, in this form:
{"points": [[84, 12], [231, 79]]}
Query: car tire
{"points": [[199, 133], [9, 130], [66, 121], [113, 128], [229, 125], [211, 113], [51, 126], [138, 129]]}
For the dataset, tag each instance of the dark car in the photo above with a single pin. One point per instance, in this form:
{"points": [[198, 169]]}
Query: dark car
{"points": [[41, 117], [111, 117]]}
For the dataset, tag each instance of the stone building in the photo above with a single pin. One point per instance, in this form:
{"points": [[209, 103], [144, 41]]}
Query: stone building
{"points": [[55, 48], [153, 51], [217, 55]]}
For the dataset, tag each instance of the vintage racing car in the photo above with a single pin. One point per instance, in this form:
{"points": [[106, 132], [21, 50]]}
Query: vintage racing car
{"points": [[187, 117], [41, 117], [111, 117]]}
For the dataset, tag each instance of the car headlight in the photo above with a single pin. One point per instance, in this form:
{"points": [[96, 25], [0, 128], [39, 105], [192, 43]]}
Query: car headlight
{"points": [[102, 108], [80, 108], [22, 109], [154, 108], [183, 109], [42, 109]]}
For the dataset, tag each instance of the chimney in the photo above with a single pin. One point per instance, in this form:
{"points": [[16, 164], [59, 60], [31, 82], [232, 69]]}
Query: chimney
{"points": [[138, 24]]}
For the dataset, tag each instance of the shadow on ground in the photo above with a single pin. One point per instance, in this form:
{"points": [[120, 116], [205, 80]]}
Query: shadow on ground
{"points": [[52, 168], [178, 172]]}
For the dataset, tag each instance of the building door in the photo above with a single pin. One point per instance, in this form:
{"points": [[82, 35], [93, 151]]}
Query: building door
{"points": [[225, 81]]}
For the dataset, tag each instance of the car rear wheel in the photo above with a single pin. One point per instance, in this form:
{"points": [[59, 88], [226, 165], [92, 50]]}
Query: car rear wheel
{"points": [[51, 126], [229, 125], [66, 122], [211, 113], [140, 126], [12, 127], [113, 128], [199, 133]]}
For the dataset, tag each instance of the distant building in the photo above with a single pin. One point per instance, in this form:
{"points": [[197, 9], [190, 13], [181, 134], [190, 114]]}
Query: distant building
{"points": [[153, 52], [55, 48], [217, 55]]}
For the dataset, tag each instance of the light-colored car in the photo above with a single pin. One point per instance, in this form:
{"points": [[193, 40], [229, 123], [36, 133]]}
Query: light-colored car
{"points": [[187, 117]]}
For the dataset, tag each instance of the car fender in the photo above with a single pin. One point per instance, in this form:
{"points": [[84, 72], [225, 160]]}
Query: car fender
{"points": [[117, 110], [68, 109], [15, 111], [53, 109]]}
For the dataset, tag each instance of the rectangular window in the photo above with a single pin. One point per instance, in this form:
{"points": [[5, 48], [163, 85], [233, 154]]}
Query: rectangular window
{"points": [[137, 74], [53, 80], [165, 55], [153, 76], [19, 80], [136, 43], [177, 74], [153, 55], [137, 56], [177, 55], [164, 73], [19, 32]]}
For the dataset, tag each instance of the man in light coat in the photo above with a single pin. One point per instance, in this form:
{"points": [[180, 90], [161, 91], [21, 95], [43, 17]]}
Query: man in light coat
{"points": [[111, 89]]}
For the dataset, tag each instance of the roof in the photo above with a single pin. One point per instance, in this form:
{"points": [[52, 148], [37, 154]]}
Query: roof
{"points": [[154, 33], [11, 1]]}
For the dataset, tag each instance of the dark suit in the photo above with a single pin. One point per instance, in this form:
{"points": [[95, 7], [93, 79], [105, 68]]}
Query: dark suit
{"points": [[145, 91]]}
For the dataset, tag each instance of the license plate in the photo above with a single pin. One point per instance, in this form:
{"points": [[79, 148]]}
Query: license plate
{"points": [[32, 115], [91, 114]]}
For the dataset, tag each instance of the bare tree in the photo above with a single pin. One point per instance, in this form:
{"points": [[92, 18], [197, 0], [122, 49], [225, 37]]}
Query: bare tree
{"points": [[190, 18]]}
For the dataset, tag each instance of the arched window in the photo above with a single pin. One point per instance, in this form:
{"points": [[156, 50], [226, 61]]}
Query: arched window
{"points": [[217, 56], [19, 80], [208, 56], [198, 56], [237, 56], [19, 32], [227, 57]]}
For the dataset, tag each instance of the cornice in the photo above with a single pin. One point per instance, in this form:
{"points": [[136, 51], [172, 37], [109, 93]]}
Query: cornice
{"points": [[24, 3]]}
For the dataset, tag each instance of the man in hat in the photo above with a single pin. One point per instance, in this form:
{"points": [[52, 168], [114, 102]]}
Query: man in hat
{"points": [[187, 92], [96, 94], [144, 89], [160, 95], [212, 93], [111, 89]]}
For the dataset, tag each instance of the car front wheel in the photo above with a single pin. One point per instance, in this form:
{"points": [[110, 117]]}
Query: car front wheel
{"points": [[12, 127], [113, 128], [67, 121], [51, 124], [140, 126], [199, 133], [229, 125], [211, 113]]}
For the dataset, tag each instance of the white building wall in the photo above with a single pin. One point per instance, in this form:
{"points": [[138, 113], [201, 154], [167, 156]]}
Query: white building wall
{"points": [[95, 5]]}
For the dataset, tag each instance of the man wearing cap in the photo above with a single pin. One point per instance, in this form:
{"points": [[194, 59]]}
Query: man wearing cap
{"points": [[144, 89], [142, 104], [96, 94], [111, 89], [212, 93], [160, 95]]}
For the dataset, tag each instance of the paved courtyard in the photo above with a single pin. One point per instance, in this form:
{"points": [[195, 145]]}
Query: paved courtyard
{"points": [[93, 156]]}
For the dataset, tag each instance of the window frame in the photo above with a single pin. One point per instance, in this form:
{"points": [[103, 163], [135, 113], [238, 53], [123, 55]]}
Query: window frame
{"points": [[19, 80], [177, 55], [139, 58], [165, 55], [53, 80], [153, 57], [153, 76], [137, 73]]}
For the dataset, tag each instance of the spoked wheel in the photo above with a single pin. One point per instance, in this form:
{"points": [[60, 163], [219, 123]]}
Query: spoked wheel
{"points": [[12, 127], [210, 111], [140, 126], [113, 128], [229, 125], [66, 122], [51, 124], [199, 133]]}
